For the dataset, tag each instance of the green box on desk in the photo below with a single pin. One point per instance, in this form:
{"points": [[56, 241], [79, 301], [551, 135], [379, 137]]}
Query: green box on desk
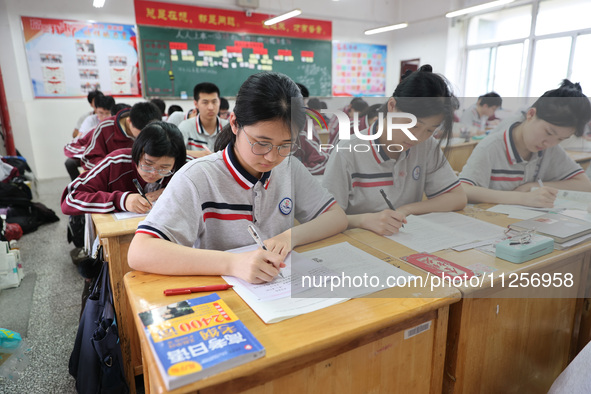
{"points": [[520, 253]]}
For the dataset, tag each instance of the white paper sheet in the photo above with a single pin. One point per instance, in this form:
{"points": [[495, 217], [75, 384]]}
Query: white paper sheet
{"points": [[442, 230], [127, 215]]}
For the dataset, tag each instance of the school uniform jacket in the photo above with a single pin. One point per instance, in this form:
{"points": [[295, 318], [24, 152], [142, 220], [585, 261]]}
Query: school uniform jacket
{"points": [[310, 154], [195, 136], [496, 164], [359, 169], [211, 201], [106, 186], [107, 137]]}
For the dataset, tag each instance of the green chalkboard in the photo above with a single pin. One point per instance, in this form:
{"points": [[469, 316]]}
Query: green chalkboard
{"points": [[175, 60]]}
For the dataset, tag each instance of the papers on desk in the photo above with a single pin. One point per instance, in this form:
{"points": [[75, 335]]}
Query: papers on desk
{"points": [[127, 215], [294, 295], [442, 230], [565, 199]]}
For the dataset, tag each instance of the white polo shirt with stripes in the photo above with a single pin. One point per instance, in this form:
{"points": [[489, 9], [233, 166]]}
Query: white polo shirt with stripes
{"points": [[195, 136], [210, 202], [359, 169], [496, 164]]}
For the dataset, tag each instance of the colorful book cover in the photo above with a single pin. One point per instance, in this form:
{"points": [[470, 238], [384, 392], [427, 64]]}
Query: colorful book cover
{"points": [[197, 338]]}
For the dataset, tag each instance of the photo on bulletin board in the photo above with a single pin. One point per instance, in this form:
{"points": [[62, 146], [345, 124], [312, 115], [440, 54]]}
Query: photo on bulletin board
{"points": [[358, 69], [71, 58]]}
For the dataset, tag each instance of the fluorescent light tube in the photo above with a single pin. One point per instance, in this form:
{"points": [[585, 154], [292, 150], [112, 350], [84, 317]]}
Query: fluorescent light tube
{"points": [[385, 28], [282, 17], [477, 8], [98, 3]]}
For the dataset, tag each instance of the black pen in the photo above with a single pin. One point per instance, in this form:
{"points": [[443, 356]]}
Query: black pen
{"points": [[140, 191], [388, 202]]}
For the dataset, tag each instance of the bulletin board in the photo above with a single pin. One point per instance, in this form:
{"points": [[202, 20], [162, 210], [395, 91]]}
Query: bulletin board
{"points": [[70, 58], [358, 69], [183, 45]]}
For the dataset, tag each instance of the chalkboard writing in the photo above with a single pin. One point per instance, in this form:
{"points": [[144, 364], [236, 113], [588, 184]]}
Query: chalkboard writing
{"points": [[175, 60]]}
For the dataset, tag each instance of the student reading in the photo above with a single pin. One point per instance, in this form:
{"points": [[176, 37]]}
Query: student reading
{"points": [[402, 167], [210, 202], [157, 153], [507, 165]]}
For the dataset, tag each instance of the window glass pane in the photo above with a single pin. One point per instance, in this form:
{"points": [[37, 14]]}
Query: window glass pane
{"points": [[477, 72], [550, 64], [509, 70], [582, 63], [555, 16], [502, 25]]}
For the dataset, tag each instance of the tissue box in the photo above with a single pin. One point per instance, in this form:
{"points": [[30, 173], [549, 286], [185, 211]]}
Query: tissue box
{"points": [[520, 253]]}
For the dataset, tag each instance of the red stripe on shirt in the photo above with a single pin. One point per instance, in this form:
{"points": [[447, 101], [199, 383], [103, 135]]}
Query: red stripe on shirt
{"points": [[233, 172], [225, 216], [505, 178], [373, 184], [198, 145], [507, 146], [152, 233], [327, 208], [575, 174]]}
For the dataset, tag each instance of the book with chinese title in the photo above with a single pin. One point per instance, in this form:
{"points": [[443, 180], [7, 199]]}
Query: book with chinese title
{"points": [[197, 338]]}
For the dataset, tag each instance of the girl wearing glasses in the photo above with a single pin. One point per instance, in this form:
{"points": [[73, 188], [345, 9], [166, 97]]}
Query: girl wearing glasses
{"points": [[156, 154], [210, 203]]}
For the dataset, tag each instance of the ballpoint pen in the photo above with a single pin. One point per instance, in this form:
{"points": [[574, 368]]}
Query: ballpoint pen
{"points": [[189, 290], [140, 191], [540, 182], [255, 235], [388, 201]]}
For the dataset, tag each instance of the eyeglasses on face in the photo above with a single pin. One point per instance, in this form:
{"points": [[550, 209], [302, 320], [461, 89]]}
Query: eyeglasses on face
{"points": [[150, 169], [262, 148]]}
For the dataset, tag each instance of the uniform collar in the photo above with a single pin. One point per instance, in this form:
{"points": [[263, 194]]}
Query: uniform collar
{"points": [[243, 177], [380, 155], [513, 156], [201, 130], [121, 115]]}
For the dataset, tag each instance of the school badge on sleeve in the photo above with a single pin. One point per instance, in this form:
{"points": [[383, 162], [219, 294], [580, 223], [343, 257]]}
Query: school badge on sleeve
{"points": [[285, 206]]}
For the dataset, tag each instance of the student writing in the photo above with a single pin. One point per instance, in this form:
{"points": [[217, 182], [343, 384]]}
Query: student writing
{"points": [[210, 202], [505, 166], [404, 168], [156, 154]]}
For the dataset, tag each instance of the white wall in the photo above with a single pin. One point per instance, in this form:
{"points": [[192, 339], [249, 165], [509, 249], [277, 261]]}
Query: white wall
{"points": [[42, 127]]}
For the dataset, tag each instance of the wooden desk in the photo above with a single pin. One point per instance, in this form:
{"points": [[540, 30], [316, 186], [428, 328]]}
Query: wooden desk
{"points": [[503, 340], [115, 236], [458, 154], [583, 158], [353, 347]]}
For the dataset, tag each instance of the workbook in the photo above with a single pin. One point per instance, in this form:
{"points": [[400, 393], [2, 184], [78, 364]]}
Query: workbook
{"points": [[560, 227], [197, 338]]}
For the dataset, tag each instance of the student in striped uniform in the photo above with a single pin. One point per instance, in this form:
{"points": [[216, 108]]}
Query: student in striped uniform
{"points": [[201, 132], [404, 168], [156, 154], [507, 165], [251, 179]]}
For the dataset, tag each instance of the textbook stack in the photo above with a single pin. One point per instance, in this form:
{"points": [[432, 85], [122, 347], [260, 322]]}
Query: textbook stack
{"points": [[197, 338], [565, 230]]}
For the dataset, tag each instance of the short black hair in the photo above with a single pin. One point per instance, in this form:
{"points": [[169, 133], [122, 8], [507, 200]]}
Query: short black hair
{"points": [[160, 139], [304, 90], [491, 99], [205, 87], [92, 95], [143, 113], [160, 104], [174, 108], [358, 104], [118, 107], [105, 102], [224, 104]]}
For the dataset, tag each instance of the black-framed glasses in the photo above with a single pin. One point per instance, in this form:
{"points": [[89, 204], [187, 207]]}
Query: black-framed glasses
{"points": [[262, 148], [150, 169]]}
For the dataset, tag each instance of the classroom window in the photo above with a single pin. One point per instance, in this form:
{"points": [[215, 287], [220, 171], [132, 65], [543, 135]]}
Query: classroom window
{"points": [[582, 63], [560, 48], [555, 16]]}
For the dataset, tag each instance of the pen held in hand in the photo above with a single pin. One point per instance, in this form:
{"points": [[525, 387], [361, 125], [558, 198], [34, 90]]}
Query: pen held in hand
{"points": [[255, 235], [383, 193], [140, 191]]}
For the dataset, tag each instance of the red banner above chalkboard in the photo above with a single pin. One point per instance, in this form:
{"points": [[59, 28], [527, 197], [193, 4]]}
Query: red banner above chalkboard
{"points": [[152, 13]]}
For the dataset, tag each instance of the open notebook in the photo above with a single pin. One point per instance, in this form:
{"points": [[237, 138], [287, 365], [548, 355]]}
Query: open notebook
{"points": [[304, 289]]}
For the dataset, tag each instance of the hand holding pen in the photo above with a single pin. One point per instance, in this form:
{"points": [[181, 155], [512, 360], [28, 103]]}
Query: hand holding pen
{"points": [[255, 236], [383, 193], [141, 191]]}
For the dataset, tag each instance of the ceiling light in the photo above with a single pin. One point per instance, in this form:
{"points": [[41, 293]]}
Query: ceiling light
{"points": [[385, 28], [477, 8], [98, 3], [283, 17]]}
